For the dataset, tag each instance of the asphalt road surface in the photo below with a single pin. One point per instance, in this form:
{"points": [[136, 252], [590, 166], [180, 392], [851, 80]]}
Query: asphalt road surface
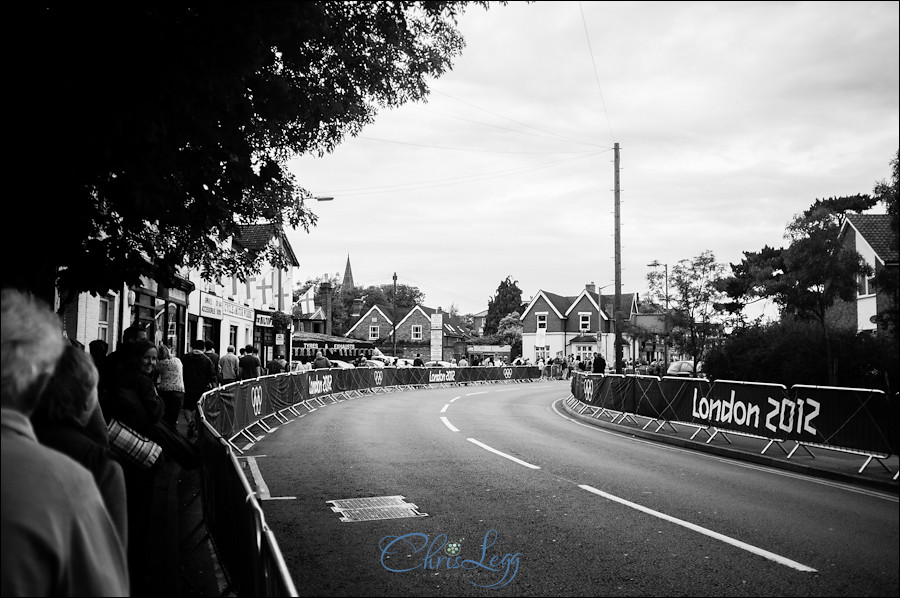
{"points": [[522, 500]]}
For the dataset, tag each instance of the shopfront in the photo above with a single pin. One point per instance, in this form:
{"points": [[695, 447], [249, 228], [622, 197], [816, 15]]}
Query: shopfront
{"points": [[237, 326], [264, 336], [211, 308], [161, 311]]}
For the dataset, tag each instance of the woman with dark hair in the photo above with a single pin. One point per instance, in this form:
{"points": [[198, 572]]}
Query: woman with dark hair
{"points": [[69, 419], [131, 398]]}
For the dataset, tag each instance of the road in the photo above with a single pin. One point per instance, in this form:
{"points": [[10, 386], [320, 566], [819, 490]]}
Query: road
{"points": [[522, 500]]}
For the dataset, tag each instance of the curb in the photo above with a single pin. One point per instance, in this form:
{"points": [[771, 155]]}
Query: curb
{"points": [[856, 480]]}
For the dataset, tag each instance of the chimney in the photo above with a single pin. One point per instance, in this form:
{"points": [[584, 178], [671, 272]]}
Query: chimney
{"points": [[356, 309], [591, 287]]}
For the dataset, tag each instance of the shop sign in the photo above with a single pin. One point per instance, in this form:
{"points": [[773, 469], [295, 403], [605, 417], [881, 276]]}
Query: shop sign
{"points": [[264, 320], [242, 312], [210, 306]]}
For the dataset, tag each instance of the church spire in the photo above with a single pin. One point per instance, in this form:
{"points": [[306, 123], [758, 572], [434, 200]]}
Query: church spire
{"points": [[347, 284]]}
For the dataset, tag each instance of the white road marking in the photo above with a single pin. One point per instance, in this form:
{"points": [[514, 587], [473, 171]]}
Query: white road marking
{"points": [[444, 410], [508, 389], [496, 452], [453, 399], [476, 393], [262, 491], [702, 530], [449, 425]]}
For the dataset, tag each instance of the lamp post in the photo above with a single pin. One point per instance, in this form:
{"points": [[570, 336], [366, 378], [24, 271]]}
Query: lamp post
{"points": [[656, 264], [394, 317]]}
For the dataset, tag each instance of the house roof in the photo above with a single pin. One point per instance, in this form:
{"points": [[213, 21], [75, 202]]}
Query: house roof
{"points": [[563, 305], [383, 309], [255, 238], [876, 230], [451, 324]]}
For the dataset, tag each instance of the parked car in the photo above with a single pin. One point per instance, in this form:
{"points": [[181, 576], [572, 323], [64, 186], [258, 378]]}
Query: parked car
{"points": [[384, 359], [337, 363], [439, 364], [685, 369], [374, 363], [403, 363]]}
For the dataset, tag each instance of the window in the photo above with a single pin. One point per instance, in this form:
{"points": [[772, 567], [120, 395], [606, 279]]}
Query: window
{"points": [[584, 322], [233, 336], [417, 332], [864, 285], [103, 321], [373, 333], [583, 352], [541, 321]]}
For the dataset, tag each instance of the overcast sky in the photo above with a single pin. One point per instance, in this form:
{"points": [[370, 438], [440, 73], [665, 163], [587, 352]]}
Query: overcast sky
{"points": [[731, 118]]}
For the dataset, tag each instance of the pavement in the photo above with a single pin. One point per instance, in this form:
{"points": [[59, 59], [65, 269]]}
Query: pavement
{"points": [[181, 552]]}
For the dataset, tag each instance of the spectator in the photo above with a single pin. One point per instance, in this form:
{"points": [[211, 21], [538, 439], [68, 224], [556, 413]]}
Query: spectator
{"points": [[213, 357], [277, 365], [249, 364], [131, 398], [229, 366], [463, 362], [58, 537], [599, 365], [321, 361], [115, 361], [68, 418], [417, 362], [98, 348], [199, 376], [170, 384]]}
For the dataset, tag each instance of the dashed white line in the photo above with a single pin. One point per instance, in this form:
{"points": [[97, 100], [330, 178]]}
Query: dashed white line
{"points": [[483, 392], [496, 452], [454, 398], [449, 425], [444, 410], [702, 530]]}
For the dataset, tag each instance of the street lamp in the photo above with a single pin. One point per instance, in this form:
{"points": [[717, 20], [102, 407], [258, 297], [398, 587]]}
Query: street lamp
{"points": [[656, 264]]}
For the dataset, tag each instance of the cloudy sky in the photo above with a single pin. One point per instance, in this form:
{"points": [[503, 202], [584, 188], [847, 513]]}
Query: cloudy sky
{"points": [[731, 118]]}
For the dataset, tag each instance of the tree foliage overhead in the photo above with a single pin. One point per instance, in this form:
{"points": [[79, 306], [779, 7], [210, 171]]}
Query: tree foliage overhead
{"points": [[507, 300], [887, 280], [154, 130]]}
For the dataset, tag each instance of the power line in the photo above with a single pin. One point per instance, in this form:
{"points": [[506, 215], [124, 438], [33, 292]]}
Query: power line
{"points": [[596, 76], [466, 149]]}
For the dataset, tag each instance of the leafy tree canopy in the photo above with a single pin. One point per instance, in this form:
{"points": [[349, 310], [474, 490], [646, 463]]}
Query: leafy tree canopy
{"points": [[154, 130], [507, 300]]}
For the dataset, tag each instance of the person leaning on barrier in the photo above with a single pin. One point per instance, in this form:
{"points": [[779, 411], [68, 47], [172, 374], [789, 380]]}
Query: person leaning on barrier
{"points": [[321, 361], [58, 537]]}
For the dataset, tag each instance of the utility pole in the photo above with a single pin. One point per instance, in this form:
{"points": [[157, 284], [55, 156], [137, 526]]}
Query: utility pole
{"points": [[617, 308], [394, 317]]}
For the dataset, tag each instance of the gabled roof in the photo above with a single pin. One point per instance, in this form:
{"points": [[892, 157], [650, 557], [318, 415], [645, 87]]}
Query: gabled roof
{"points": [[876, 230], [318, 314], [593, 297], [558, 303], [450, 323], [564, 305], [255, 238], [382, 309]]}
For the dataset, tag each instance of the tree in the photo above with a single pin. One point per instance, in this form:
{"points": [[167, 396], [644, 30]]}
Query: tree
{"points": [[383, 294], [887, 280], [168, 125], [510, 332], [507, 300], [694, 296], [807, 277]]}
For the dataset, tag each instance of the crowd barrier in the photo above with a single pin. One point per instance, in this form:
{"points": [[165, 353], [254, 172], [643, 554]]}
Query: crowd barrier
{"points": [[244, 544], [863, 421]]}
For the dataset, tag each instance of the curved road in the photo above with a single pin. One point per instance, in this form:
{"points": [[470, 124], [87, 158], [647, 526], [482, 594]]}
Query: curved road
{"points": [[523, 500]]}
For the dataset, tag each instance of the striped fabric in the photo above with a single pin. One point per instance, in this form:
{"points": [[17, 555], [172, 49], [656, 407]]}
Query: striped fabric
{"points": [[128, 446]]}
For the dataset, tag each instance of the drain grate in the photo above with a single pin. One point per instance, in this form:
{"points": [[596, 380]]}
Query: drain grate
{"points": [[374, 508]]}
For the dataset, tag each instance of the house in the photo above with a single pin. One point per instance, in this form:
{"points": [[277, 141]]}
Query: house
{"points": [[554, 324], [871, 236], [478, 321], [414, 331], [230, 311]]}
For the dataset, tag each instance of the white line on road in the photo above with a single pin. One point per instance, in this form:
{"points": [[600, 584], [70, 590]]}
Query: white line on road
{"points": [[762, 468], [483, 392], [496, 452], [261, 489], [449, 425], [444, 410], [702, 530], [453, 399]]}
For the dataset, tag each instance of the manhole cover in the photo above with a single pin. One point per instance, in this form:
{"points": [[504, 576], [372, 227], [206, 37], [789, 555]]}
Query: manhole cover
{"points": [[374, 508]]}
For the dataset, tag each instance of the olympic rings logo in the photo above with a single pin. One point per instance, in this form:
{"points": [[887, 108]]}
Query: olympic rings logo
{"points": [[507, 373], [588, 388], [379, 377], [256, 399]]}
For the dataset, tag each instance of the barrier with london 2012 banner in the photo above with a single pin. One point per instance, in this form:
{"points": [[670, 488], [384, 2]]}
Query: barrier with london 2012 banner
{"points": [[862, 419]]}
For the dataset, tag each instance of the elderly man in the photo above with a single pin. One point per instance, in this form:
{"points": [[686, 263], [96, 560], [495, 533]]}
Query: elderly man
{"points": [[58, 538]]}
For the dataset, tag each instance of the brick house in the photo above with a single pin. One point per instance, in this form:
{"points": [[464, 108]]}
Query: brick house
{"points": [[555, 324], [413, 331], [871, 236]]}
